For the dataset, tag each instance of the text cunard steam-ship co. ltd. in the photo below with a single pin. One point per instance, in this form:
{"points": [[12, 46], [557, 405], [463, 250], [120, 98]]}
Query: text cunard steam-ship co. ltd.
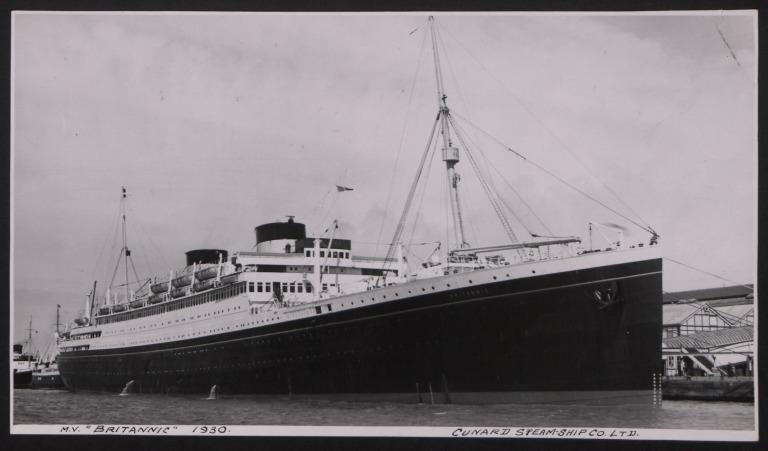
{"points": [[536, 319]]}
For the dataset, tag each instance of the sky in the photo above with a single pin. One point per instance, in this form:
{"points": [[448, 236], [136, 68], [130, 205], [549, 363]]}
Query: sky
{"points": [[216, 123]]}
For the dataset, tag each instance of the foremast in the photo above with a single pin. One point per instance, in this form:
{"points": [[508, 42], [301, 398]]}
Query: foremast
{"points": [[449, 152]]}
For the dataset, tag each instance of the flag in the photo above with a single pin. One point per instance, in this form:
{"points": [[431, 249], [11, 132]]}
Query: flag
{"points": [[340, 188]]}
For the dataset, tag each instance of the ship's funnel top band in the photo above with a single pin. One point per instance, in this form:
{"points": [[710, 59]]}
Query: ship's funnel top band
{"points": [[280, 231], [205, 256]]}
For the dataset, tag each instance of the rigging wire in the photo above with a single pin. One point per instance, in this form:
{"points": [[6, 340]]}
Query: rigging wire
{"points": [[509, 185], [489, 190], [143, 231], [552, 133], [422, 195], [314, 216], [500, 198], [401, 223], [482, 154], [97, 262], [560, 179], [707, 273], [402, 140]]}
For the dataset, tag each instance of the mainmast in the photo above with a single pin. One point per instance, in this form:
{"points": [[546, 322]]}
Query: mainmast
{"points": [[450, 153], [126, 252]]}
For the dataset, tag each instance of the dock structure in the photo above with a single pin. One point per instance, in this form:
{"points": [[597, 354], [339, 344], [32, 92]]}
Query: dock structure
{"points": [[708, 344]]}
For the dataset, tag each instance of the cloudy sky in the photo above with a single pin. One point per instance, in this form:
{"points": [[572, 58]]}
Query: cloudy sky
{"points": [[217, 123]]}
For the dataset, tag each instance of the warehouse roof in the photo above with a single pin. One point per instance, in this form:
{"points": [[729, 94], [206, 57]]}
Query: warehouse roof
{"points": [[711, 339]]}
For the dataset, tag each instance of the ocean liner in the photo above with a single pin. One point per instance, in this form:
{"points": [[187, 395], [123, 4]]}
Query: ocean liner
{"points": [[543, 319]]}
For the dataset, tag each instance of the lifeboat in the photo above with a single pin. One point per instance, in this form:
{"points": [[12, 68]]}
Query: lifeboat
{"points": [[119, 308], [230, 278], [182, 281], [178, 292], [204, 285], [104, 310], [155, 299], [207, 273], [137, 304], [81, 321], [158, 288]]}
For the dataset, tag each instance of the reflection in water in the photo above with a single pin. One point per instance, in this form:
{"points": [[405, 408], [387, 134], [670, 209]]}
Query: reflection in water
{"points": [[62, 407]]}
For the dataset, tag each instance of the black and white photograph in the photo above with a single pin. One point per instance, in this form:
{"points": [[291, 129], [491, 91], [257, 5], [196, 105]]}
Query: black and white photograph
{"points": [[474, 225]]}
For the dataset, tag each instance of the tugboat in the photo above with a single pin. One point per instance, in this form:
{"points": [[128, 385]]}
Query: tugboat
{"points": [[47, 376], [533, 320]]}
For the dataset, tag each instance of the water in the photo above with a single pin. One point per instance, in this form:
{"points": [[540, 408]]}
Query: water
{"points": [[63, 407]]}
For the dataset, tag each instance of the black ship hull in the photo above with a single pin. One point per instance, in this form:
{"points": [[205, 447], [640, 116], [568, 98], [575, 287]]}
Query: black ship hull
{"points": [[590, 331], [22, 379], [47, 381]]}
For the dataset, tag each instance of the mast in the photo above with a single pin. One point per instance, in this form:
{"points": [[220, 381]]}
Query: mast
{"points": [[29, 343], [450, 153], [126, 252]]}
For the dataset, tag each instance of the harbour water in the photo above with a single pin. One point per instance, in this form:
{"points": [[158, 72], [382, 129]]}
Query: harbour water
{"points": [[63, 407]]}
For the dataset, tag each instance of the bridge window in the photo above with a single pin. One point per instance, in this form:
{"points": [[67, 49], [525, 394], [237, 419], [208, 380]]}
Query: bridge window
{"points": [[251, 287]]}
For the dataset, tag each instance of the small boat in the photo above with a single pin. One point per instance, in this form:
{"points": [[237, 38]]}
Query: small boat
{"points": [[104, 310], [119, 308], [205, 285], [230, 278], [155, 299], [207, 273], [47, 378], [178, 292], [158, 288], [182, 281], [137, 303]]}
